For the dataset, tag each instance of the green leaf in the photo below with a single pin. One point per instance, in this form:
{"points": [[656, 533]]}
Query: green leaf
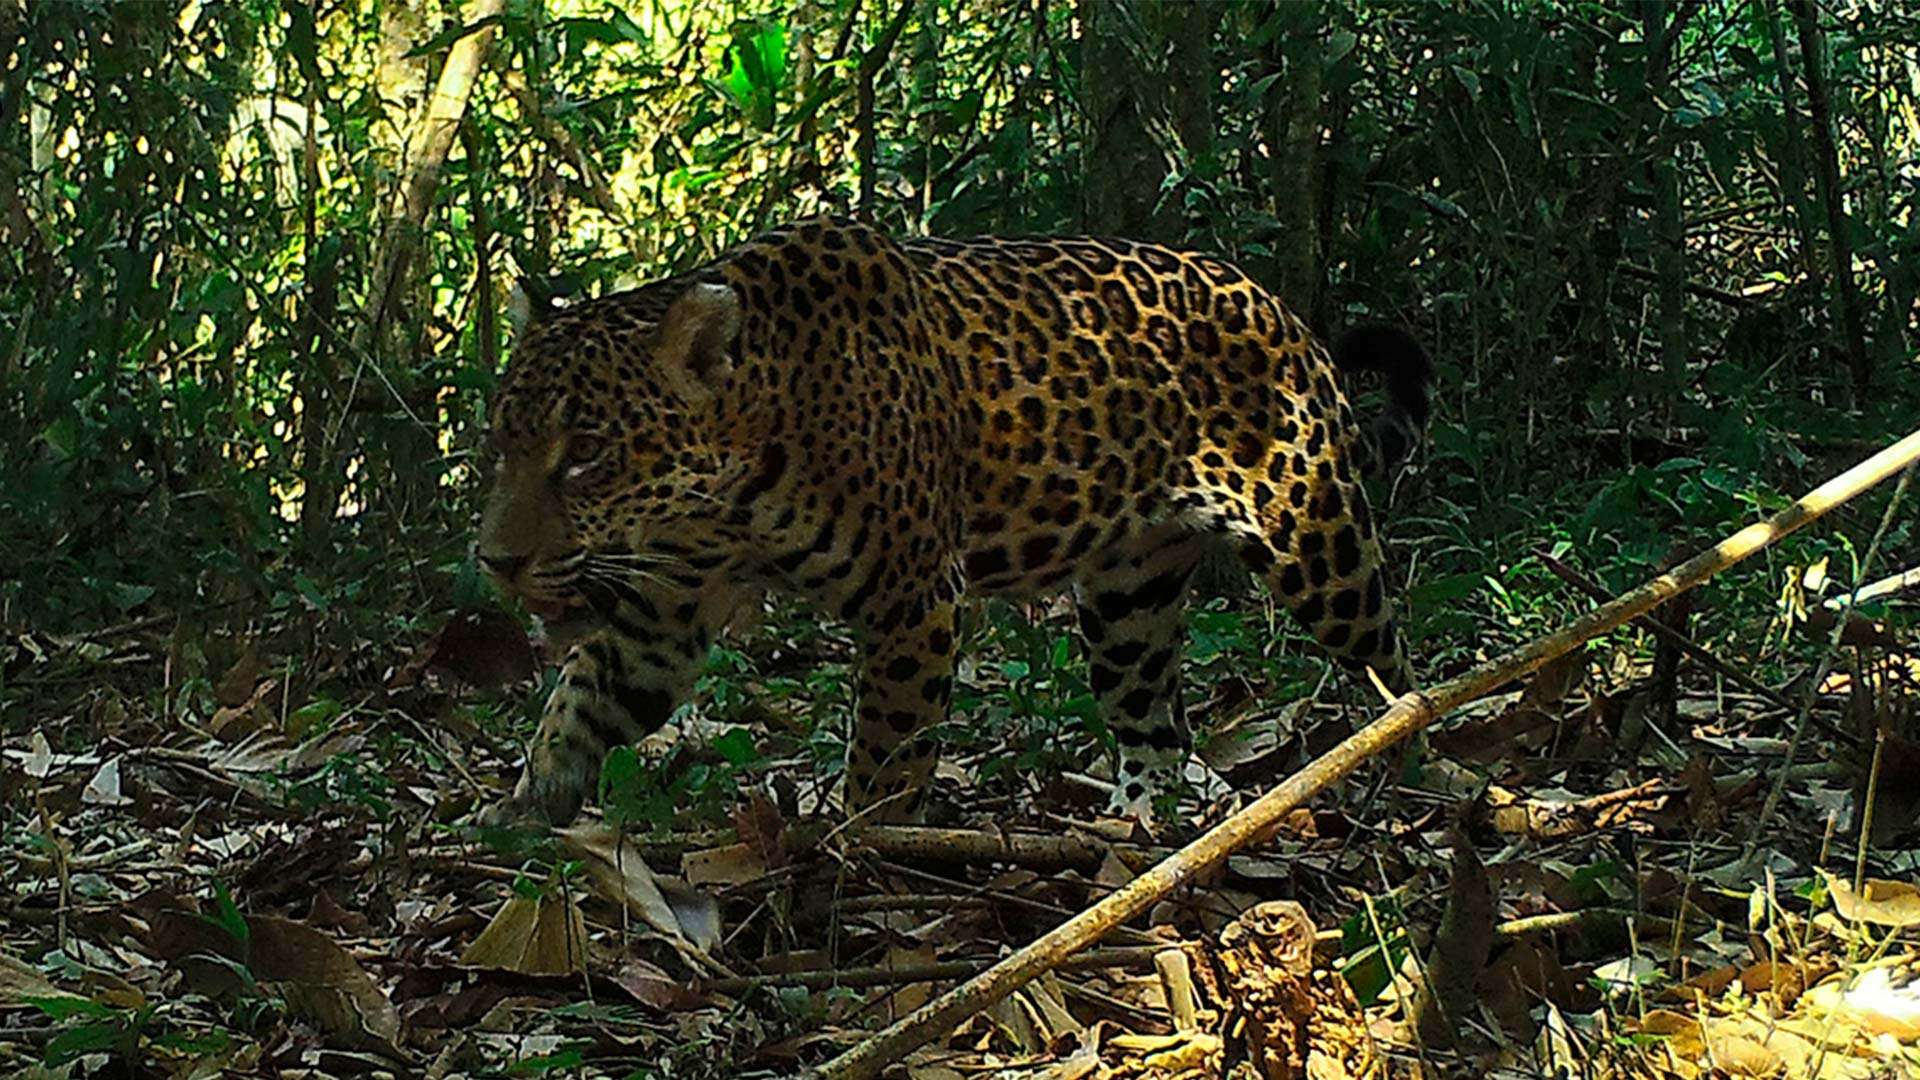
{"points": [[301, 42], [77, 1042], [1339, 44], [227, 915], [569, 1058], [628, 28], [65, 1007], [621, 797], [737, 747]]}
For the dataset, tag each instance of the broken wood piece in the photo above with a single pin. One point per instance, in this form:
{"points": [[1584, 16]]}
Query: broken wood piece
{"points": [[1411, 713]]}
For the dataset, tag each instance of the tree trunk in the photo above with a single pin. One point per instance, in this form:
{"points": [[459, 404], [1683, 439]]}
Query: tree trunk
{"points": [[1669, 234], [427, 147], [806, 141], [1293, 138], [1122, 166], [925, 65], [1846, 299], [318, 384], [865, 146], [1187, 89], [1793, 162]]}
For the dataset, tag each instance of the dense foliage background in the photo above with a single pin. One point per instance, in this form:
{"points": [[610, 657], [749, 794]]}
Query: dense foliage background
{"points": [[255, 263], [253, 274]]}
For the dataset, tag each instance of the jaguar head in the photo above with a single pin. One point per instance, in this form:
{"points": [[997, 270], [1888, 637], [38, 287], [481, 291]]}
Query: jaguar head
{"points": [[604, 435]]}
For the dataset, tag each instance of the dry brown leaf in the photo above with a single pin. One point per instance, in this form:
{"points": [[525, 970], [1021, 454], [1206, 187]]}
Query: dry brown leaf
{"points": [[20, 983], [323, 981], [651, 985], [1460, 948], [532, 936], [620, 875], [39, 762], [1883, 903], [1873, 1003], [1556, 679], [241, 680], [759, 825], [1191, 1052], [316, 976], [104, 788], [484, 648], [908, 996], [734, 864]]}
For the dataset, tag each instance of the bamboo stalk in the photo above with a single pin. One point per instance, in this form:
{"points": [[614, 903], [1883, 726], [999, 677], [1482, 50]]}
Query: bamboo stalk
{"points": [[1886, 586], [1411, 713]]}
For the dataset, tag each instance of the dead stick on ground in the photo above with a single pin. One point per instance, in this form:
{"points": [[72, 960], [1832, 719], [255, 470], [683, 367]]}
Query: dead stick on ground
{"points": [[1408, 715], [1133, 959]]}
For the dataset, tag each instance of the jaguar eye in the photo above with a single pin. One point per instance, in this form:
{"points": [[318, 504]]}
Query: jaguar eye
{"points": [[584, 448]]}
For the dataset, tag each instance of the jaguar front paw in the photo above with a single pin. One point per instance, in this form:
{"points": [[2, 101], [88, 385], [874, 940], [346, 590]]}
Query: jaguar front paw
{"points": [[536, 803]]}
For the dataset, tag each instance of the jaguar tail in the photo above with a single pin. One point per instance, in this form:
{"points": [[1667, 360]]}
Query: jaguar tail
{"points": [[1403, 364]]}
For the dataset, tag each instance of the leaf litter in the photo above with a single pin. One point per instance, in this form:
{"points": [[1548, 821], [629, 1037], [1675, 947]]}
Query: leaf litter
{"points": [[1560, 880]]}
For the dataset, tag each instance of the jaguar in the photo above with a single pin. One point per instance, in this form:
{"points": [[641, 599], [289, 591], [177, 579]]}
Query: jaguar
{"points": [[882, 425]]}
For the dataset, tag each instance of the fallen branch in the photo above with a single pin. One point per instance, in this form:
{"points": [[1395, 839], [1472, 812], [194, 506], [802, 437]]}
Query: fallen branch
{"points": [[1130, 959], [1411, 713], [1034, 850]]}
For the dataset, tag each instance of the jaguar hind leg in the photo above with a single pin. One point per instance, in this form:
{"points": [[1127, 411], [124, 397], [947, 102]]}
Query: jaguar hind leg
{"points": [[1133, 620]]}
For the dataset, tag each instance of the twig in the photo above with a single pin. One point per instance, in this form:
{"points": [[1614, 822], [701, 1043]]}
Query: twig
{"points": [[1037, 851], [868, 905], [1132, 959], [1682, 642], [1411, 713]]}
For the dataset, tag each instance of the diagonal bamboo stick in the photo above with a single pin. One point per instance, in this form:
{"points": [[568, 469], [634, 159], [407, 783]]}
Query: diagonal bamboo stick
{"points": [[1406, 716]]}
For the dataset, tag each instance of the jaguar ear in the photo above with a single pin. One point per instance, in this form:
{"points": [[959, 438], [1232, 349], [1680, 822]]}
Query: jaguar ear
{"points": [[696, 335], [533, 299]]}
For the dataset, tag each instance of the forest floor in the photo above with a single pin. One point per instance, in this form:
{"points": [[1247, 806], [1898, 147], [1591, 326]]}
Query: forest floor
{"points": [[1593, 870]]}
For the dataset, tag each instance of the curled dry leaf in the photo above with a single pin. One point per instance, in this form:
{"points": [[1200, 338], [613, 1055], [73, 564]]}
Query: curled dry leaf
{"points": [[1883, 903], [319, 979], [621, 876]]}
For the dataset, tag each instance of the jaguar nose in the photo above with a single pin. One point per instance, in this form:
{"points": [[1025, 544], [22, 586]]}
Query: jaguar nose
{"points": [[504, 567]]}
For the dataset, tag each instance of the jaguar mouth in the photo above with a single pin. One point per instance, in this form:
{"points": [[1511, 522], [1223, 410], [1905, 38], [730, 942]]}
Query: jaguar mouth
{"points": [[561, 623]]}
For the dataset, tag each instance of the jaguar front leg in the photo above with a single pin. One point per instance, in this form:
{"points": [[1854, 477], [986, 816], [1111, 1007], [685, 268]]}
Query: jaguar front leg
{"points": [[617, 686], [906, 685]]}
